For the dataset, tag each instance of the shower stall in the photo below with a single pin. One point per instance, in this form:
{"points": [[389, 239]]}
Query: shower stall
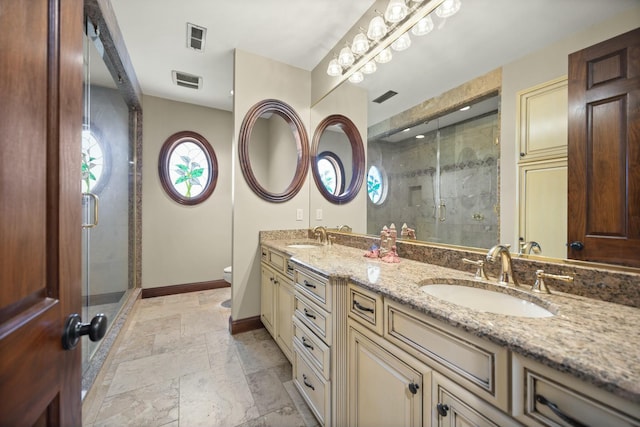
{"points": [[442, 181], [109, 193]]}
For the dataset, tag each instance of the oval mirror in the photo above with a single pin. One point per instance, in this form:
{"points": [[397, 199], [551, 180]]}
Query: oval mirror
{"points": [[273, 150], [337, 159]]}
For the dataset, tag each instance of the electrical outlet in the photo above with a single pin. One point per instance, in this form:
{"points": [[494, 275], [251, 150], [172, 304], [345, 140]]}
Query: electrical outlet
{"points": [[299, 214], [318, 214]]}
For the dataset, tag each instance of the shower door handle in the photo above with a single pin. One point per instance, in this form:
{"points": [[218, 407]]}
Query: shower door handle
{"points": [[96, 206]]}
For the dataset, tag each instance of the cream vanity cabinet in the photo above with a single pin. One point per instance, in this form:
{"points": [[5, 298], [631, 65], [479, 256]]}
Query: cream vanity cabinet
{"points": [[385, 386], [276, 299], [312, 342]]}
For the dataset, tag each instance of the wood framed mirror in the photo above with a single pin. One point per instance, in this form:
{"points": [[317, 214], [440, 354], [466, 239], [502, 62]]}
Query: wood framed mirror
{"points": [[337, 159], [273, 150]]}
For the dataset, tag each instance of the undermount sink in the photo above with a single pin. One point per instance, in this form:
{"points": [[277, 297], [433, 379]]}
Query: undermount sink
{"points": [[486, 300], [303, 246]]}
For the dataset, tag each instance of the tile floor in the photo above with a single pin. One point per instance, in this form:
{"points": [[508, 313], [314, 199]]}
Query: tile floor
{"points": [[175, 364]]}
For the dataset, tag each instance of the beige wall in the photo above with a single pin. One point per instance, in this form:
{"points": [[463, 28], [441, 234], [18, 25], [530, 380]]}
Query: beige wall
{"points": [[541, 66], [350, 101], [184, 244], [257, 78]]}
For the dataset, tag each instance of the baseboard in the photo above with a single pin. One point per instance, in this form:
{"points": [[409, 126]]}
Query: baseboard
{"points": [[244, 325], [183, 289]]}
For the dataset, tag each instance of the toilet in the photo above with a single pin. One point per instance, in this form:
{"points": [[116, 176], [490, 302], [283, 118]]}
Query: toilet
{"points": [[226, 275]]}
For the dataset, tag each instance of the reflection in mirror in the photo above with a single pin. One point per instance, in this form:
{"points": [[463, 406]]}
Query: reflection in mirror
{"points": [[273, 150], [337, 159], [442, 177]]}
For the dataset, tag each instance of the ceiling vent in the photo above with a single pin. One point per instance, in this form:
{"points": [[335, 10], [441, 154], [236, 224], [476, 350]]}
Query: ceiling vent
{"points": [[186, 80], [196, 37], [388, 94]]}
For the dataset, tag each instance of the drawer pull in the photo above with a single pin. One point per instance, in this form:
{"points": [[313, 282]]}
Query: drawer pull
{"points": [[413, 388], [308, 314], [443, 409], [554, 408], [306, 344], [361, 307], [271, 279], [289, 267], [309, 284], [307, 383]]}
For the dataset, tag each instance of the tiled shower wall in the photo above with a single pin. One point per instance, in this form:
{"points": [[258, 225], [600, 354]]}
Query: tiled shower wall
{"points": [[468, 183]]}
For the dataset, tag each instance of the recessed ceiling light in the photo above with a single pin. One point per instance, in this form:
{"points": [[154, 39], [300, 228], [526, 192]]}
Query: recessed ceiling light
{"points": [[465, 108], [419, 136]]}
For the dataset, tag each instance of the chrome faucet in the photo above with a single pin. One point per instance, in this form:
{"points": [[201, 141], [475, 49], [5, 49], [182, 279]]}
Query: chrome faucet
{"points": [[506, 271], [320, 232], [345, 228], [528, 247]]}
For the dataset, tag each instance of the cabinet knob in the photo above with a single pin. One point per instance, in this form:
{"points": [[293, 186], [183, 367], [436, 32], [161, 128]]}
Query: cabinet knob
{"points": [[413, 388], [442, 409]]}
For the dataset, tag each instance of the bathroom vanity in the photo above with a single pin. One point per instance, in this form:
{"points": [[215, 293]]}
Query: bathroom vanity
{"points": [[371, 347]]}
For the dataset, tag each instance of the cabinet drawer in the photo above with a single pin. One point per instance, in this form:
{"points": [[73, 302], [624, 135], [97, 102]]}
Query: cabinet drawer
{"points": [[477, 364], [534, 384], [317, 352], [314, 317], [452, 405], [314, 389], [314, 287], [277, 260], [366, 307]]}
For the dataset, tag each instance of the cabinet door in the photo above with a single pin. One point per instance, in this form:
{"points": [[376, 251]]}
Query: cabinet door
{"points": [[383, 390], [543, 206], [267, 277], [454, 406], [285, 306]]}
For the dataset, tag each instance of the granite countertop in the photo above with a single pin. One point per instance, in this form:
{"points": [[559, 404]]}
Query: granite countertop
{"points": [[594, 340]]}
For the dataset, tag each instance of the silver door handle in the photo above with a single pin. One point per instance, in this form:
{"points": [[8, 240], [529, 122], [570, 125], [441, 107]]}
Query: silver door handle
{"points": [[96, 204]]}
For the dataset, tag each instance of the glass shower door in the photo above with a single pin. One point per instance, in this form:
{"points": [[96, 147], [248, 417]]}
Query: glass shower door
{"points": [[107, 194]]}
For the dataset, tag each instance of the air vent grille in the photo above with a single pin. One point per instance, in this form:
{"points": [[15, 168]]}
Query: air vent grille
{"points": [[196, 37], [388, 94], [186, 80]]}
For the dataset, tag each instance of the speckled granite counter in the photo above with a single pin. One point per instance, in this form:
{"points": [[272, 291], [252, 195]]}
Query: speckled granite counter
{"points": [[594, 340]]}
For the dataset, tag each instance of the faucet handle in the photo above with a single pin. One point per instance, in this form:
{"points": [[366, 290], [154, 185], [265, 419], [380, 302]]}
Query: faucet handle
{"points": [[541, 287], [331, 240], [480, 273]]}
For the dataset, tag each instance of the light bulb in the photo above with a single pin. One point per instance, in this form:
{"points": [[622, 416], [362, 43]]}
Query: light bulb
{"points": [[334, 69], [384, 56], [356, 77], [448, 8], [370, 67], [345, 58], [396, 11], [360, 44], [423, 26], [402, 43], [377, 28]]}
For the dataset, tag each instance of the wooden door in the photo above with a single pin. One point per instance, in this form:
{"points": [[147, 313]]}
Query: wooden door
{"points": [[40, 135], [604, 151]]}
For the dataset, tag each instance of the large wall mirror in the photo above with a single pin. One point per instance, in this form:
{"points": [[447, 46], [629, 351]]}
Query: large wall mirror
{"points": [[337, 159], [459, 184], [273, 150]]}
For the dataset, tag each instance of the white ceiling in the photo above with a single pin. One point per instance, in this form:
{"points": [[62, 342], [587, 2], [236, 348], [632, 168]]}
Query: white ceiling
{"points": [[482, 36]]}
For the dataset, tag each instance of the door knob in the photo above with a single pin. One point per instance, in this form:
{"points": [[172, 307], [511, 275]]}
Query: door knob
{"points": [[577, 245], [74, 329]]}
